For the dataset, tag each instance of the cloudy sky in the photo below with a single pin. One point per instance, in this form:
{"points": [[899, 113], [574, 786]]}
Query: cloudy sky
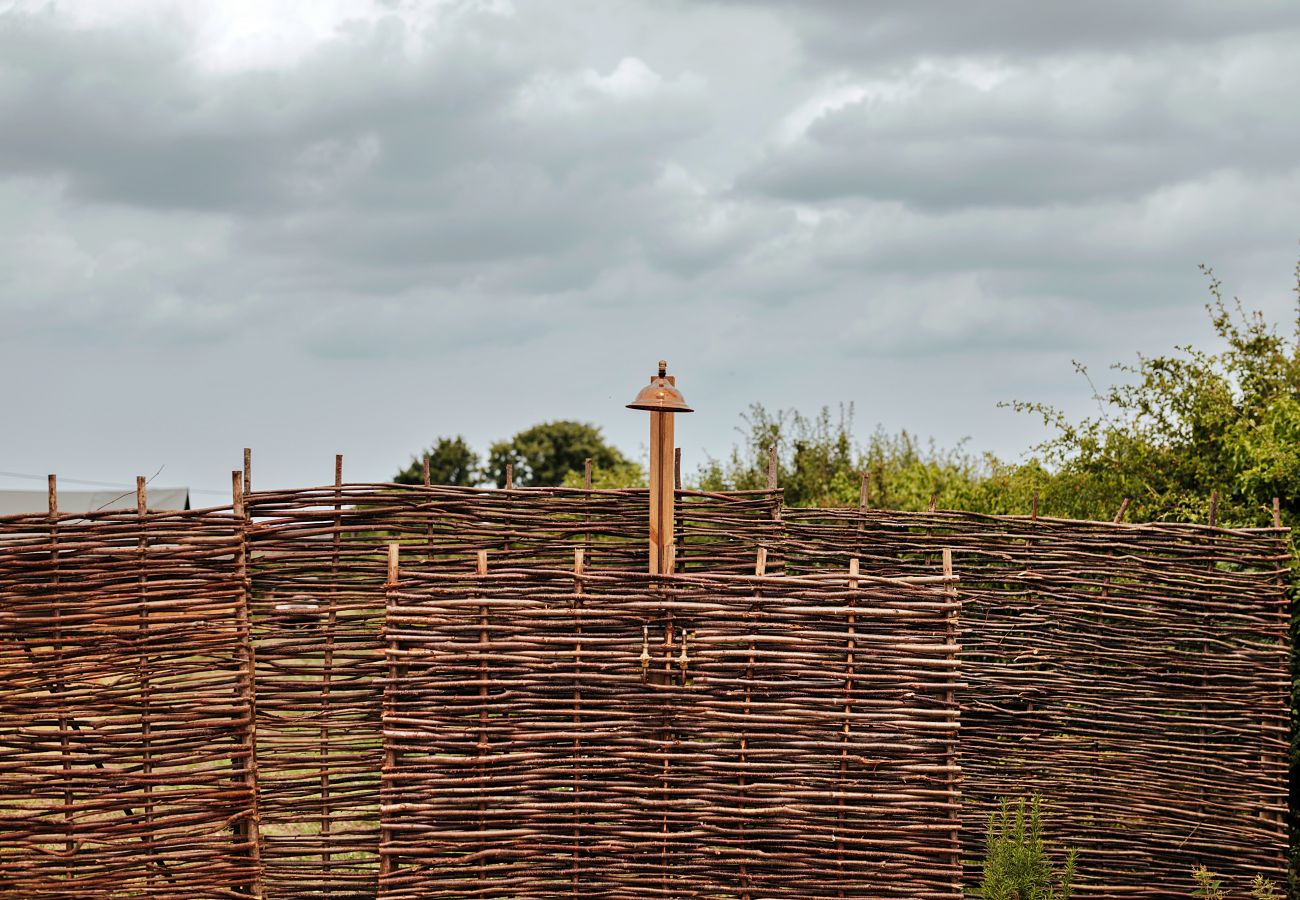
{"points": [[350, 226]]}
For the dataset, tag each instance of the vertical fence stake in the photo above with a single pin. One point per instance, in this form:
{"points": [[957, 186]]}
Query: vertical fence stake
{"points": [[950, 697], [1123, 508], [324, 750], [481, 569], [427, 476], [848, 713], [1214, 508], [577, 712], [760, 569], [248, 470], [248, 831], [144, 676], [390, 699], [65, 738]]}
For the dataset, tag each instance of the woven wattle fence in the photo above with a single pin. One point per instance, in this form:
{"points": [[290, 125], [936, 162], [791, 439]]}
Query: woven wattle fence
{"points": [[318, 566], [1135, 676], [549, 733], [126, 725]]}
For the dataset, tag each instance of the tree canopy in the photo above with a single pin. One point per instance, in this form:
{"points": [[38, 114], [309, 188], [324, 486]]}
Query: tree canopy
{"points": [[1183, 425], [451, 461], [543, 455]]}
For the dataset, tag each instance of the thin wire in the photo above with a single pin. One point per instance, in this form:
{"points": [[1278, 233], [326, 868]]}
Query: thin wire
{"points": [[107, 484]]}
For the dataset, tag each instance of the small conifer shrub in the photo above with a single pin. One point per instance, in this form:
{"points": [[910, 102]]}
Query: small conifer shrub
{"points": [[1017, 865]]}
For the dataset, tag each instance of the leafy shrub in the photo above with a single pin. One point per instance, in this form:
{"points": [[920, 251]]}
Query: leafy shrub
{"points": [[1210, 887]]}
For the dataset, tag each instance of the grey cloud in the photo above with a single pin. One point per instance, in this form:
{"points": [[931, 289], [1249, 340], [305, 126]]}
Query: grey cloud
{"points": [[1101, 129], [874, 195], [865, 31]]}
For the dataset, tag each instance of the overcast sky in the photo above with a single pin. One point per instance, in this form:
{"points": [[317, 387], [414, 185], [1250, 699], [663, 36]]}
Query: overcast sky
{"points": [[332, 226]]}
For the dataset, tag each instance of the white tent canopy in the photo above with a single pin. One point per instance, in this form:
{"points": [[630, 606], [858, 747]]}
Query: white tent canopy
{"points": [[18, 502]]}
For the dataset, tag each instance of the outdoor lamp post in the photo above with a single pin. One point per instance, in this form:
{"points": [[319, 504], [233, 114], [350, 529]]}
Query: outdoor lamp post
{"points": [[661, 399]]}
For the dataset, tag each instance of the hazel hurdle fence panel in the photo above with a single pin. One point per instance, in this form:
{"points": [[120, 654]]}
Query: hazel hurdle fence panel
{"points": [[318, 567], [569, 733], [126, 717], [1135, 676]]}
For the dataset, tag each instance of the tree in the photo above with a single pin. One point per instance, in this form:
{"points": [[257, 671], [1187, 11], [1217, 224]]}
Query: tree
{"points": [[451, 461], [543, 455], [1187, 424]]}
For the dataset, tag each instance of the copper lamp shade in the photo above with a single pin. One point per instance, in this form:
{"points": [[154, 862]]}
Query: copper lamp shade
{"points": [[661, 394]]}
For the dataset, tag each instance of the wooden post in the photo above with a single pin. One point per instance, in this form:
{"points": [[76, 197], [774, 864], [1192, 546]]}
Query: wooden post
{"points": [[248, 470], [510, 476], [771, 467], [1123, 508], [662, 400], [586, 474], [661, 492], [427, 478], [1214, 508], [394, 562], [1034, 515], [677, 468]]}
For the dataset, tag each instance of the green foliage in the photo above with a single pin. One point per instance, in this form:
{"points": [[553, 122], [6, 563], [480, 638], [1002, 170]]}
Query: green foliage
{"points": [[609, 478], [1263, 889], [1017, 865], [545, 454], [1182, 425], [451, 461], [820, 463], [1210, 887]]}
